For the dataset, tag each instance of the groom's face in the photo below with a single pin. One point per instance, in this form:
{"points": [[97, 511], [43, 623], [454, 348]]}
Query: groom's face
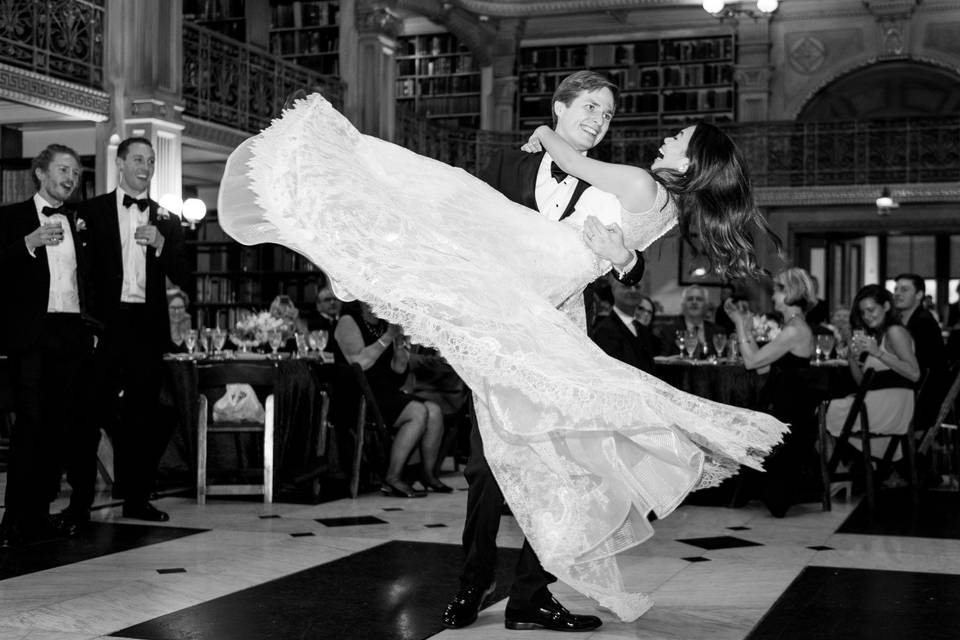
{"points": [[585, 121]]}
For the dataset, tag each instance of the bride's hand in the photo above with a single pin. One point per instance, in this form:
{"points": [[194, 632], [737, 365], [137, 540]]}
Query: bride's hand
{"points": [[534, 145], [606, 241]]}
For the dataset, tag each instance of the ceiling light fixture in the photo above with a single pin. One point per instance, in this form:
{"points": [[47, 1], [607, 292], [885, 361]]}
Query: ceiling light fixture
{"points": [[720, 9], [885, 202]]}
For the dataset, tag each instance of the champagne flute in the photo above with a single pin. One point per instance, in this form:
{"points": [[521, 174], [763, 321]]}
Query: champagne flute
{"points": [[275, 339], [206, 339], [679, 340], [691, 340], [191, 341], [219, 338], [733, 342], [720, 343]]}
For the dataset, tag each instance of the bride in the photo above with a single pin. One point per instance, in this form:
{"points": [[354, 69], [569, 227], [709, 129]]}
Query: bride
{"points": [[583, 446]]}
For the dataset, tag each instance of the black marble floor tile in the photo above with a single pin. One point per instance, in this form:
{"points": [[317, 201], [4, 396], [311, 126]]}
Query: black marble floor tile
{"points": [[820, 547], [696, 559], [350, 521], [303, 534], [434, 526], [164, 572], [739, 528], [827, 602], [94, 540], [936, 515], [395, 591], [720, 542]]}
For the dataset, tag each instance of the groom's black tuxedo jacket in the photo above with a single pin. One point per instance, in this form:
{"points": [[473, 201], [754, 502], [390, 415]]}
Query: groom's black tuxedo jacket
{"points": [[107, 265], [25, 279], [514, 174]]}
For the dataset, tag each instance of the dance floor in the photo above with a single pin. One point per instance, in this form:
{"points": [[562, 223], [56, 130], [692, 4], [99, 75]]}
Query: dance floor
{"points": [[382, 568]]}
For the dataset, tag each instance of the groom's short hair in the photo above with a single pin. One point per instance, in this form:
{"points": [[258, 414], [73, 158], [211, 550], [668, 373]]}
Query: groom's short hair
{"points": [[579, 82]]}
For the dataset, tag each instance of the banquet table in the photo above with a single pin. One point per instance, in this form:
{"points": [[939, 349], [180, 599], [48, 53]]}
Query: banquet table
{"points": [[298, 453]]}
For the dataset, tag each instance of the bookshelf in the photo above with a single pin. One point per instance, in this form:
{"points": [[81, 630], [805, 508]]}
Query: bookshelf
{"points": [[439, 78], [223, 16], [662, 82], [229, 277], [307, 33]]}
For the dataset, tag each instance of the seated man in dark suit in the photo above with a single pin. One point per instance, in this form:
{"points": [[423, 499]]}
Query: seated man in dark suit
{"points": [[49, 339], [692, 318], [619, 335]]}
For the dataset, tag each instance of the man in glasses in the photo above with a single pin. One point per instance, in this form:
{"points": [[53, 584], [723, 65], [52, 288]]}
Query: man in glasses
{"points": [[625, 333]]}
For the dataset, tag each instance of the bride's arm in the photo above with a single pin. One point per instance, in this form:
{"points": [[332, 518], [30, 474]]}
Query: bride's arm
{"points": [[633, 186]]}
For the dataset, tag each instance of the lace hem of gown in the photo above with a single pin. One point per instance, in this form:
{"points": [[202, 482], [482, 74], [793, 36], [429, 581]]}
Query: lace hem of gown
{"points": [[583, 446]]}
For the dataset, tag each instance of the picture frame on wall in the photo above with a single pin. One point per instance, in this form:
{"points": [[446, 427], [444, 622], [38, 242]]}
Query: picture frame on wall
{"points": [[695, 269]]}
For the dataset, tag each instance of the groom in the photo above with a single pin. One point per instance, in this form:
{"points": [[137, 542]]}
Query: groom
{"points": [[583, 105]]}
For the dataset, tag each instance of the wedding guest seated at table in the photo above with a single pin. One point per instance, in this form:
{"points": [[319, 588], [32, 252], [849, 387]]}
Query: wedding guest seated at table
{"points": [[720, 318], [691, 320], [840, 325], [285, 308], [383, 353], [620, 335], [786, 395], [880, 343], [819, 312], [328, 310], [180, 320]]}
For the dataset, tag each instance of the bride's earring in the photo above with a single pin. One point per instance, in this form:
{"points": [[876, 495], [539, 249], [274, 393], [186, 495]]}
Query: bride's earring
{"points": [[683, 165]]}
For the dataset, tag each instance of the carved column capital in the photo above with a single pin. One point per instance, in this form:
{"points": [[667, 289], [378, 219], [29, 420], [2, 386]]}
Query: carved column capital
{"points": [[893, 18]]}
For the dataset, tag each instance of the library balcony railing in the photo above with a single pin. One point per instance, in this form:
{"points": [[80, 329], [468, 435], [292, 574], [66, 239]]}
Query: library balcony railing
{"points": [[239, 85], [61, 39], [778, 154]]}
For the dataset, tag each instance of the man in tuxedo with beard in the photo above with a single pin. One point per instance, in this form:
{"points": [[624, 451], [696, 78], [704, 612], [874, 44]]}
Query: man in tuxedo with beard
{"points": [[583, 105], [49, 337], [136, 248]]}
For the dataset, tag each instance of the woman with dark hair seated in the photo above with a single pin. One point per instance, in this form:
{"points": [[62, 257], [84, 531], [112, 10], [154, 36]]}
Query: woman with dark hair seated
{"points": [[384, 355], [177, 303], [880, 343], [787, 395]]}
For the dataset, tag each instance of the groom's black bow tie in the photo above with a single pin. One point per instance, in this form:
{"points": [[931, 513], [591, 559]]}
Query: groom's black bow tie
{"points": [[557, 173], [142, 203], [49, 211]]}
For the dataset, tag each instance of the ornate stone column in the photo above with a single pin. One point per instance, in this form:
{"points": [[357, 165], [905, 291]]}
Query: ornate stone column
{"points": [[500, 106], [753, 69], [368, 36], [144, 69]]}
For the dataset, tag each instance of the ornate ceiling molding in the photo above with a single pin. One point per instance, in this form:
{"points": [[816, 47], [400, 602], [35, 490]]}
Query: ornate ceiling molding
{"points": [[865, 194], [52, 94], [474, 34], [213, 134], [527, 8]]}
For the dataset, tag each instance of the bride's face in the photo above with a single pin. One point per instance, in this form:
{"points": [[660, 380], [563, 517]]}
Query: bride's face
{"points": [[673, 152], [585, 121]]}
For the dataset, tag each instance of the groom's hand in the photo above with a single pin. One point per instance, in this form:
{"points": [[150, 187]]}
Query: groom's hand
{"points": [[606, 241]]}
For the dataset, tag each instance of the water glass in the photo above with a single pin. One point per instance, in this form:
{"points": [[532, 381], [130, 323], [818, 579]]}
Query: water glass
{"points": [[191, 341], [218, 340], [275, 339], [734, 346], [720, 343], [691, 340], [825, 342], [206, 340]]}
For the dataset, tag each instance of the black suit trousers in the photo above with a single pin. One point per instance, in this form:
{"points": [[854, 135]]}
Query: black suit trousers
{"points": [[484, 507], [49, 381], [128, 370]]}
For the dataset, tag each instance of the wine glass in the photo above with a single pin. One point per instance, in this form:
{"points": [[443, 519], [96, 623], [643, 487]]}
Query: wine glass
{"points": [[322, 337], [679, 339], [719, 343], [303, 348], [191, 341], [825, 342], [219, 339], [206, 339], [275, 339], [691, 340]]}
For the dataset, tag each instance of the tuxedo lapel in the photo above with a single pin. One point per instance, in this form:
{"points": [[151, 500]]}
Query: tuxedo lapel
{"points": [[111, 227], [577, 192], [529, 166]]}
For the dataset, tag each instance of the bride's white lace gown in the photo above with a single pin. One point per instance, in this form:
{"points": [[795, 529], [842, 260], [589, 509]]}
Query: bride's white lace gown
{"points": [[582, 445]]}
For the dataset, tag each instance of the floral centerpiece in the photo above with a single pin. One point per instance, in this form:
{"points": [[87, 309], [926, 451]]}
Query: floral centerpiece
{"points": [[254, 330], [765, 329]]}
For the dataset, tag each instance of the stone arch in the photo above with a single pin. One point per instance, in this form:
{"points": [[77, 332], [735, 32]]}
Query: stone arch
{"points": [[905, 87]]}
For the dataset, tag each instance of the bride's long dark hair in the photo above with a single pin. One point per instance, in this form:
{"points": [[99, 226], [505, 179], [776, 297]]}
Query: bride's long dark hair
{"points": [[716, 212]]}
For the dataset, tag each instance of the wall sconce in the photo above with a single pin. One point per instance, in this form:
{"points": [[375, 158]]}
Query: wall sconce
{"points": [[885, 202], [719, 9], [194, 210]]}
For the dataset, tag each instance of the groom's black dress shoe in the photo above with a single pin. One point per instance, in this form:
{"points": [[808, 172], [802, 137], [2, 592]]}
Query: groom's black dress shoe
{"points": [[462, 611], [552, 616], [144, 511]]}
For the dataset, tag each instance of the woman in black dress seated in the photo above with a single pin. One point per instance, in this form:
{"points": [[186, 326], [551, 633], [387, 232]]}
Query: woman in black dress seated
{"points": [[384, 355], [787, 395]]}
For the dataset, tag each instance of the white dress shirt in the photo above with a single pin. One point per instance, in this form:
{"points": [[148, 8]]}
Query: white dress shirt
{"points": [[64, 296], [552, 196], [627, 320], [134, 255]]}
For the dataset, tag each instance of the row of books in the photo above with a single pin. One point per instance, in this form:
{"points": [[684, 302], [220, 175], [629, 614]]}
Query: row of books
{"points": [[305, 14], [464, 63], [699, 100], [308, 41], [698, 74], [644, 103], [438, 106], [647, 52], [433, 45], [410, 87], [212, 9]]}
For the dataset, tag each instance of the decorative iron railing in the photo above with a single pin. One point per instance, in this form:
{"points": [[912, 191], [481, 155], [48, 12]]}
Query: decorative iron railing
{"points": [[778, 154], [239, 85], [58, 38]]}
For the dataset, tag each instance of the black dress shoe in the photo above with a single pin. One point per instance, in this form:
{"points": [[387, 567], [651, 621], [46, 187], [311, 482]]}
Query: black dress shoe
{"points": [[144, 511], [70, 521], [552, 616], [463, 610], [10, 537]]}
